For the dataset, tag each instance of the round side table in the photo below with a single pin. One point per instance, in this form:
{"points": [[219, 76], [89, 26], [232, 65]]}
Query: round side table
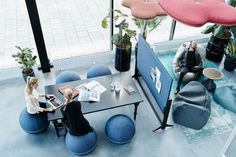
{"points": [[211, 74]]}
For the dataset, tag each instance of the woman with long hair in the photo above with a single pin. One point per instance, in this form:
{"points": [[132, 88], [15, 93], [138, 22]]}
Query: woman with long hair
{"points": [[32, 97], [76, 122]]}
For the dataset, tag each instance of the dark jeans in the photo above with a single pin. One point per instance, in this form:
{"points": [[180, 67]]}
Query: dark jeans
{"points": [[42, 104], [185, 70]]}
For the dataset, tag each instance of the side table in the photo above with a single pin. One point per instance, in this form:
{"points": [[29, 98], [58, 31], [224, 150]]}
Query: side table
{"points": [[211, 74]]}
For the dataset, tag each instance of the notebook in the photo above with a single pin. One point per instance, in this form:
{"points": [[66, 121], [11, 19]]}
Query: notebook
{"points": [[63, 88]]}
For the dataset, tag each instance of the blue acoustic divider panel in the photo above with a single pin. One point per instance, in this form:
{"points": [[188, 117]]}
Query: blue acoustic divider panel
{"points": [[146, 60]]}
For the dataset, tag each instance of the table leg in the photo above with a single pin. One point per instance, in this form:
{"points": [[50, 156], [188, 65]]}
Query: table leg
{"points": [[55, 122], [135, 110], [209, 84]]}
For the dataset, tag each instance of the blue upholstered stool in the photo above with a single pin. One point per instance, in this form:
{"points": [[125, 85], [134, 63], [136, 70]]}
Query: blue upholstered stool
{"points": [[98, 70], [33, 123], [67, 76], [120, 129], [226, 97], [81, 145]]}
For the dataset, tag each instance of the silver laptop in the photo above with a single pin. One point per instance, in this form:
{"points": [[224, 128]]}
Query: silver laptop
{"points": [[55, 102]]}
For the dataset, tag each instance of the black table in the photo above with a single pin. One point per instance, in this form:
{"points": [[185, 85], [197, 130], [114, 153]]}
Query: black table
{"points": [[108, 99], [211, 74]]}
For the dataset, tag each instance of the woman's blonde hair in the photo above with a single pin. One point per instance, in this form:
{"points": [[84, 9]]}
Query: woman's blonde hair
{"points": [[68, 94], [31, 81]]}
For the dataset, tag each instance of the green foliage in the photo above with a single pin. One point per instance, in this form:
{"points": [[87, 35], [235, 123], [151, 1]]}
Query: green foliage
{"points": [[231, 50], [120, 40], [25, 58], [147, 26], [221, 31]]}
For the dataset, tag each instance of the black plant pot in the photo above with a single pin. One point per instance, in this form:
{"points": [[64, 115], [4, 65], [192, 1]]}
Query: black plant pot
{"points": [[30, 73], [229, 65], [122, 59], [215, 48]]}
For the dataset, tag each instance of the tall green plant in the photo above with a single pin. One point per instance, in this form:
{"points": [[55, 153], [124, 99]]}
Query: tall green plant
{"points": [[120, 40], [147, 26], [231, 50], [25, 58]]}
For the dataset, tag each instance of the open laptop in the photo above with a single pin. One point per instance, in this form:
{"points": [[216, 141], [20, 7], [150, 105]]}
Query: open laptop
{"points": [[54, 102], [229, 149]]}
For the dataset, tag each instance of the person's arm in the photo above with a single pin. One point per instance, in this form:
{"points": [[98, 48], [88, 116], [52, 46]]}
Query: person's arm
{"points": [[47, 96], [199, 61], [34, 104]]}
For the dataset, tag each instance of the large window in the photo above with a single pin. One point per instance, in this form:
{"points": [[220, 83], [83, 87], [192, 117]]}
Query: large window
{"points": [[70, 28], [73, 27]]}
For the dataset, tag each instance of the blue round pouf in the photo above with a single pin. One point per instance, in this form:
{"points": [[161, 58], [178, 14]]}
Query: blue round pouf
{"points": [[120, 129], [67, 76], [98, 70], [33, 123], [81, 145]]}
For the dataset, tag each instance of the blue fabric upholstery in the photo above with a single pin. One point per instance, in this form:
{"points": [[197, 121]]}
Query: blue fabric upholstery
{"points": [[226, 97], [120, 129], [33, 123], [98, 70], [192, 106], [67, 76], [81, 145]]}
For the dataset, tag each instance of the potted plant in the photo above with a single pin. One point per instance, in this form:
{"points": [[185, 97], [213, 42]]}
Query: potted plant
{"points": [[219, 39], [147, 26], [230, 56], [26, 59], [122, 39]]}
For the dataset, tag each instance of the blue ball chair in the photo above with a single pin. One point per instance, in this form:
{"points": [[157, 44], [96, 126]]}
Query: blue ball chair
{"points": [[67, 76], [33, 123], [81, 145], [120, 129], [98, 70]]}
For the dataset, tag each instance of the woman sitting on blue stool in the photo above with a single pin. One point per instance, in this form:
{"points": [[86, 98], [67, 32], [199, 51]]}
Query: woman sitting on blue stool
{"points": [[33, 119], [32, 97], [74, 118]]}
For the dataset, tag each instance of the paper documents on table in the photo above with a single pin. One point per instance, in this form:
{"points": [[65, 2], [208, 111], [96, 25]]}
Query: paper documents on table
{"points": [[86, 95], [90, 91], [94, 85]]}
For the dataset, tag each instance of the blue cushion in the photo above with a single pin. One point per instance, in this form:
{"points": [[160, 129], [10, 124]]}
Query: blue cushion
{"points": [[81, 145], [98, 70], [120, 129], [67, 76], [226, 97], [33, 123]]}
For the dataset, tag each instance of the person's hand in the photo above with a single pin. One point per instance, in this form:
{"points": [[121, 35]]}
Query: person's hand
{"points": [[177, 69], [49, 96], [50, 109]]}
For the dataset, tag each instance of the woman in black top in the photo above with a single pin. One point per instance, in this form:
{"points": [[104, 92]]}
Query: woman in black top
{"points": [[76, 122]]}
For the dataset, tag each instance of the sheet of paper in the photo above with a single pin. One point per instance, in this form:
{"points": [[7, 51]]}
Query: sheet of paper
{"points": [[83, 95], [86, 95], [158, 80], [94, 85]]}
